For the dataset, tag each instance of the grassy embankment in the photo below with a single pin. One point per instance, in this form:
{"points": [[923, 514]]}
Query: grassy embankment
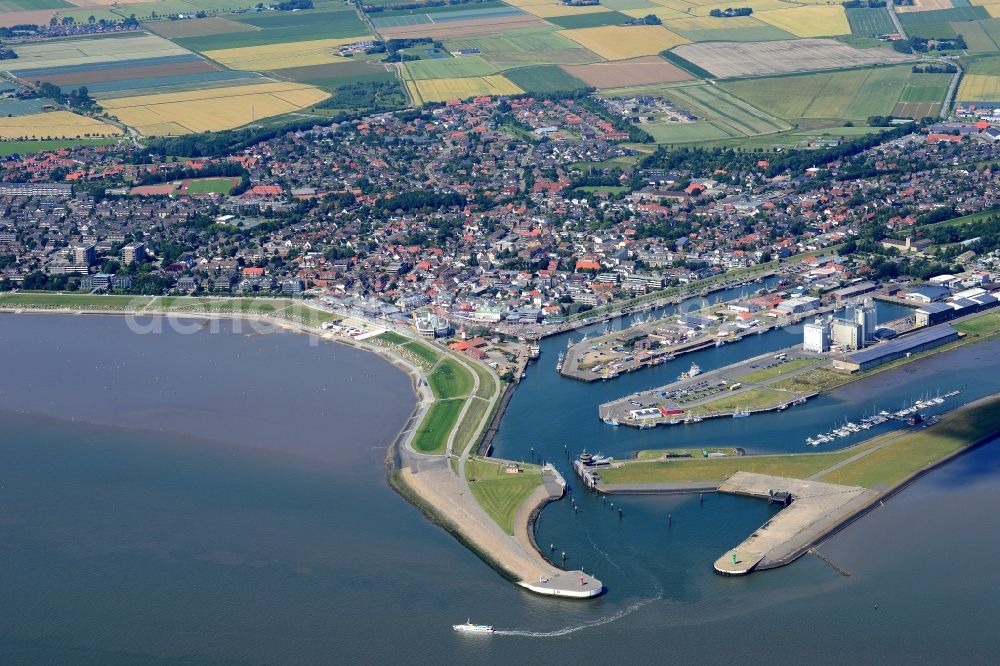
{"points": [[902, 455], [752, 399], [657, 454], [499, 493], [280, 308]]}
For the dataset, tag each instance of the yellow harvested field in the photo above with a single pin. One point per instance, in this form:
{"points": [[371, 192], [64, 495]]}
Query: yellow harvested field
{"points": [[61, 53], [443, 90], [54, 125], [991, 6], [979, 88], [813, 21], [679, 5], [212, 109], [621, 42], [925, 6], [551, 9], [282, 56], [711, 23]]}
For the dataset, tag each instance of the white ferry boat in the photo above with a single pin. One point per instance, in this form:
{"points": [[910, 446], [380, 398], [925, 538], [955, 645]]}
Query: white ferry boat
{"points": [[470, 628]]}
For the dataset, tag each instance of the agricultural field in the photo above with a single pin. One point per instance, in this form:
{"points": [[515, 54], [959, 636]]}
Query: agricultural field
{"points": [[837, 96], [212, 25], [814, 21], [925, 6], [74, 52], [635, 72], [469, 25], [332, 76], [735, 29], [211, 109], [552, 9], [544, 79], [54, 125], [281, 56], [460, 67], [742, 59], [624, 42], [978, 37], [870, 22], [283, 27], [979, 88], [515, 48], [443, 90], [593, 20]]}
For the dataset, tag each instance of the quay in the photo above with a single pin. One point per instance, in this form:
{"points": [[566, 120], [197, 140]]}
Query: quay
{"points": [[758, 384], [815, 509]]}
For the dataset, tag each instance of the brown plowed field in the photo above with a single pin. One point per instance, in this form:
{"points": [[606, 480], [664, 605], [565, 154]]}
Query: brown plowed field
{"points": [[635, 72], [454, 29], [213, 25], [125, 72]]}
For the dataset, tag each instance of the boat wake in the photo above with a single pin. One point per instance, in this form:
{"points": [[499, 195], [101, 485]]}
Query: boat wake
{"points": [[628, 610]]}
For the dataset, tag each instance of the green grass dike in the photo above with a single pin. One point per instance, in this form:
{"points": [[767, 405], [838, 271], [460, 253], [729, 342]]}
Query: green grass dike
{"points": [[450, 380], [881, 462], [912, 453], [500, 493]]}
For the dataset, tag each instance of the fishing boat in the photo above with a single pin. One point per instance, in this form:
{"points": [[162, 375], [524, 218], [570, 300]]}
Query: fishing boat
{"points": [[610, 421], [470, 628], [741, 413], [559, 362]]}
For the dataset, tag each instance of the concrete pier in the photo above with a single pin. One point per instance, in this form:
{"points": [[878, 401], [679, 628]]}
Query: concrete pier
{"points": [[816, 509]]}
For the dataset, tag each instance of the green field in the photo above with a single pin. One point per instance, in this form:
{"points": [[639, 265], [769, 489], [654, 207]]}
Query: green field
{"points": [[500, 494], [942, 16], [531, 46], [450, 380], [752, 399], [913, 452], [281, 27], [778, 370], [544, 79], [728, 111], [84, 301], [447, 68], [332, 75], [761, 33], [30, 5], [983, 325], [976, 36], [425, 353], [594, 20], [212, 186], [487, 387], [29, 147], [870, 22], [812, 381], [845, 95], [931, 30], [391, 338], [432, 435]]}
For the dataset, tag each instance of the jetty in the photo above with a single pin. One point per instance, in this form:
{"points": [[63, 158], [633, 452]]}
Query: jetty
{"points": [[820, 493]]}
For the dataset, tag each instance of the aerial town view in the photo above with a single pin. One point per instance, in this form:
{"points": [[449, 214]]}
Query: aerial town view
{"points": [[463, 331]]}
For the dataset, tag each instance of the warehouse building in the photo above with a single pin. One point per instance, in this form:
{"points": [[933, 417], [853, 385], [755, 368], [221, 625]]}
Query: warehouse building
{"points": [[900, 347]]}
